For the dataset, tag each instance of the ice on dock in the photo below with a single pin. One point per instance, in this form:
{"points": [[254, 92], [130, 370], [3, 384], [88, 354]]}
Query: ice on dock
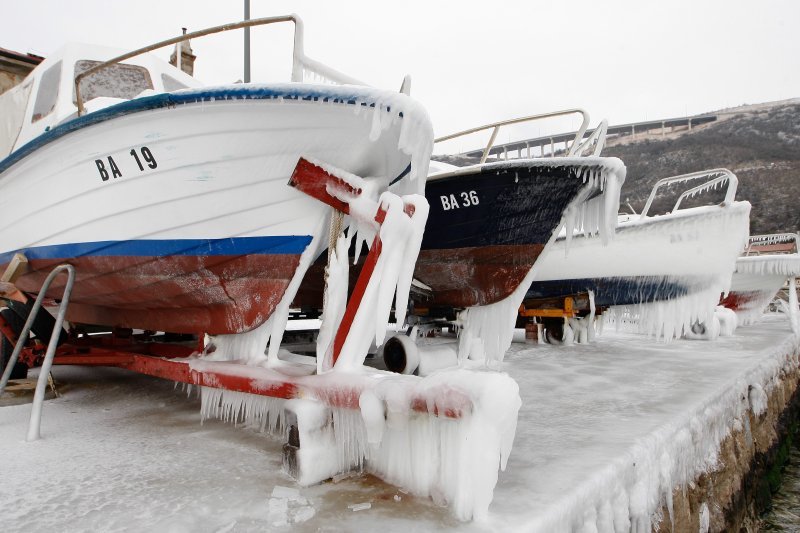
{"points": [[605, 432]]}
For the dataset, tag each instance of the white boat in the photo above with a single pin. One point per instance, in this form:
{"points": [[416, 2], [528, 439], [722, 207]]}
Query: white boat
{"points": [[664, 272], [761, 271], [170, 198]]}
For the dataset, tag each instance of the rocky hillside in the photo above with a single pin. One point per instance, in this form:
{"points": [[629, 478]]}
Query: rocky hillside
{"points": [[760, 144]]}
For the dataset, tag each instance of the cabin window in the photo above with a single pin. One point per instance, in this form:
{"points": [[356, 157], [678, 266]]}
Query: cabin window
{"points": [[171, 84], [48, 93], [117, 81]]}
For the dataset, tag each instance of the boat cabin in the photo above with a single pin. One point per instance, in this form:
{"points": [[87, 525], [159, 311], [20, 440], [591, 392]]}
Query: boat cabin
{"points": [[46, 98]]}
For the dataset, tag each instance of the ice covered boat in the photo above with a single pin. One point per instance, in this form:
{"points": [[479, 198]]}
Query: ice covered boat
{"points": [[170, 199], [489, 223], [761, 271], [665, 272]]}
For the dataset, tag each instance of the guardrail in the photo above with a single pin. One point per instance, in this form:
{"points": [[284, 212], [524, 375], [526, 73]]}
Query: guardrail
{"points": [[576, 142], [619, 130], [300, 62], [776, 242], [714, 178]]}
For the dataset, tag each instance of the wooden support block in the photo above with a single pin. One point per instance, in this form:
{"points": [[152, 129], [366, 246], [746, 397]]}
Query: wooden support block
{"points": [[16, 267], [310, 454]]}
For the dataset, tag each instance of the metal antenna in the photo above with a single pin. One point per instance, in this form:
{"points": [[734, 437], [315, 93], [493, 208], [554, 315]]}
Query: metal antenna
{"points": [[247, 43]]}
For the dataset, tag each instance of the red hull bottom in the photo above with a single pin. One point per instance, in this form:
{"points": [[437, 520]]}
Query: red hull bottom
{"points": [[481, 275], [746, 300], [220, 294], [458, 277]]}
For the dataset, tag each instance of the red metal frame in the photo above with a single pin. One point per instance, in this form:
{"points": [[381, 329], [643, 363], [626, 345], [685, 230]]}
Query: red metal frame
{"points": [[7, 331], [174, 362], [315, 181]]}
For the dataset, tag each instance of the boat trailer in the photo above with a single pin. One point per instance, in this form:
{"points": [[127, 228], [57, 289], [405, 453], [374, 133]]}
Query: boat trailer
{"points": [[544, 318]]}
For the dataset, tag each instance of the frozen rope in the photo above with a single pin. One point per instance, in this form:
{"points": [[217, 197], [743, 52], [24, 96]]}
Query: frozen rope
{"points": [[337, 221]]}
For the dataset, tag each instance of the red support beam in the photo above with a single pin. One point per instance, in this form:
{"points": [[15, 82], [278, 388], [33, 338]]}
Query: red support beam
{"points": [[315, 182], [229, 375], [354, 302]]}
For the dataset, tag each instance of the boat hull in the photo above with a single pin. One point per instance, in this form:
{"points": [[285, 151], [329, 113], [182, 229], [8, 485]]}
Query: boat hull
{"points": [[177, 213], [477, 253], [756, 282], [656, 259]]}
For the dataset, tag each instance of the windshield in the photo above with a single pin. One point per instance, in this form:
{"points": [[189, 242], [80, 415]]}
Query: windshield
{"points": [[118, 81]]}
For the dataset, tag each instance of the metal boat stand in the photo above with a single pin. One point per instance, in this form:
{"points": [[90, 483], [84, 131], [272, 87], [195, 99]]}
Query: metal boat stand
{"points": [[35, 422]]}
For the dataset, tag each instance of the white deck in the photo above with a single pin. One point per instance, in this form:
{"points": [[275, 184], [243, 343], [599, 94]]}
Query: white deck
{"points": [[123, 451]]}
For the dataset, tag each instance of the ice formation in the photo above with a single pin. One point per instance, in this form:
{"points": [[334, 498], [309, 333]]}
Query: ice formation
{"points": [[597, 215], [765, 265], [453, 459], [670, 319], [628, 492], [400, 236], [794, 310], [759, 277], [727, 320]]}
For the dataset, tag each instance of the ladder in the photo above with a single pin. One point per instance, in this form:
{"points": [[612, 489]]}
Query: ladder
{"points": [[34, 425]]}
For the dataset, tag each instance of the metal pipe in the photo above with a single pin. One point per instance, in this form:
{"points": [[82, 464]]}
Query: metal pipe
{"points": [[247, 42], [35, 423], [185, 37], [179, 53], [584, 124], [489, 146], [716, 174]]}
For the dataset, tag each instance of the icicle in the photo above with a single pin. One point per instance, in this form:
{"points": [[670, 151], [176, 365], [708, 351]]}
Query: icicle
{"points": [[591, 317], [670, 318], [261, 412], [458, 459], [794, 311]]}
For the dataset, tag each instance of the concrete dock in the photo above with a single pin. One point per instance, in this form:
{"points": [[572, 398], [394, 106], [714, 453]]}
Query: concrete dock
{"points": [[621, 434]]}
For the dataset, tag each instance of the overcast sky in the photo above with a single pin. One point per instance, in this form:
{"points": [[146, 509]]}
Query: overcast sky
{"points": [[473, 62]]}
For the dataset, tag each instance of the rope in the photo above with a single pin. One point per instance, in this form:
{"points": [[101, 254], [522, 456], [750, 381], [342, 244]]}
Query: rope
{"points": [[337, 221]]}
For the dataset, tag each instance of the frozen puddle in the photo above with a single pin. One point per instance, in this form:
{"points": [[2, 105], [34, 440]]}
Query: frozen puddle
{"points": [[598, 439]]}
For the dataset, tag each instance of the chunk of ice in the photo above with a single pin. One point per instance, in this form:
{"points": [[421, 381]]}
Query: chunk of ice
{"points": [[303, 514], [285, 492], [359, 506]]}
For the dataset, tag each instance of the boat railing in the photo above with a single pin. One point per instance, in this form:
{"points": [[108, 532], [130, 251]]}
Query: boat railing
{"points": [[596, 139], [713, 179], [774, 243], [495, 127], [300, 62]]}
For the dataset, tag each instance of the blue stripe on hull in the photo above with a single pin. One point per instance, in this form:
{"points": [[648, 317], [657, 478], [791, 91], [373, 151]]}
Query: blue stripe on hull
{"points": [[290, 244], [613, 291]]}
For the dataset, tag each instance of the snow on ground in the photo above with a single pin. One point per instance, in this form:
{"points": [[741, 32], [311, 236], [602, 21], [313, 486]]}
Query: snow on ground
{"points": [[122, 451]]}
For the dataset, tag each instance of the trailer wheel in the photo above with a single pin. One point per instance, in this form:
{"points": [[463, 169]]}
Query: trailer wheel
{"points": [[554, 330], [400, 354], [20, 370], [699, 328]]}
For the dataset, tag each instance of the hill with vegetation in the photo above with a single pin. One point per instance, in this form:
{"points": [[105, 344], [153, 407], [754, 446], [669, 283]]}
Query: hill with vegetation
{"points": [[759, 143]]}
